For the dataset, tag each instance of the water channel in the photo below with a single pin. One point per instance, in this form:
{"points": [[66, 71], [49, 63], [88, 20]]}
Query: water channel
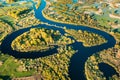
{"points": [[77, 62]]}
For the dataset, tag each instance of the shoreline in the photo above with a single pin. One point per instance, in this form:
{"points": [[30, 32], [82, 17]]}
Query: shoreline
{"points": [[51, 19]]}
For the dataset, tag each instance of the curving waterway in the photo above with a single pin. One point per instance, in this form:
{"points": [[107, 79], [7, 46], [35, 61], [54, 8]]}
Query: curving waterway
{"points": [[77, 62]]}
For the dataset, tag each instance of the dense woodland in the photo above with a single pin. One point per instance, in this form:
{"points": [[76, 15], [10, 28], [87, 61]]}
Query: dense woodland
{"points": [[87, 38], [38, 39]]}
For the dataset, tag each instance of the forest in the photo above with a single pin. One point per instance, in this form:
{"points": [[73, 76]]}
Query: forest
{"points": [[50, 67], [88, 39], [39, 39], [102, 15], [16, 17]]}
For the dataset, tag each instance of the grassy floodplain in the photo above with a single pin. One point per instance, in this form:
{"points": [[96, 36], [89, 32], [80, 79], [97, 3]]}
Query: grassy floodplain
{"points": [[93, 14], [10, 67]]}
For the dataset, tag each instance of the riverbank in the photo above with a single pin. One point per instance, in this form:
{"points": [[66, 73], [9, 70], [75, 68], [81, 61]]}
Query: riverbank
{"points": [[65, 62], [109, 57], [54, 20]]}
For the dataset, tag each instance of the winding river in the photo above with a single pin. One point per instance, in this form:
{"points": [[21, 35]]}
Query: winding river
{"points": [[77, 62]]}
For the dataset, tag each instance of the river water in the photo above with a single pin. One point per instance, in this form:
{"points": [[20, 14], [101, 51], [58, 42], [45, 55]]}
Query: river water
{"points": [[77, 62]]}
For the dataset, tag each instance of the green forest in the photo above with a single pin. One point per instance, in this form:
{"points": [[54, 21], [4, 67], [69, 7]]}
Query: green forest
{"points": [[59, 39]]}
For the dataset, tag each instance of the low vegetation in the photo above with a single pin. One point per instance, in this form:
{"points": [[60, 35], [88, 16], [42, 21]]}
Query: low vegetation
{"points": [[9, 67], [87, 38]]}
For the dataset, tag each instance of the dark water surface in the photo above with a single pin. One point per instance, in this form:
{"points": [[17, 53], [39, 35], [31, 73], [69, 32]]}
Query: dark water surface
{"points": [[107, 70], [77, 62]]}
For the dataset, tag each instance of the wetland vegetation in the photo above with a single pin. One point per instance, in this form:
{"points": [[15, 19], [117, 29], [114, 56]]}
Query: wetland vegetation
{"points": [[98, 48]]}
